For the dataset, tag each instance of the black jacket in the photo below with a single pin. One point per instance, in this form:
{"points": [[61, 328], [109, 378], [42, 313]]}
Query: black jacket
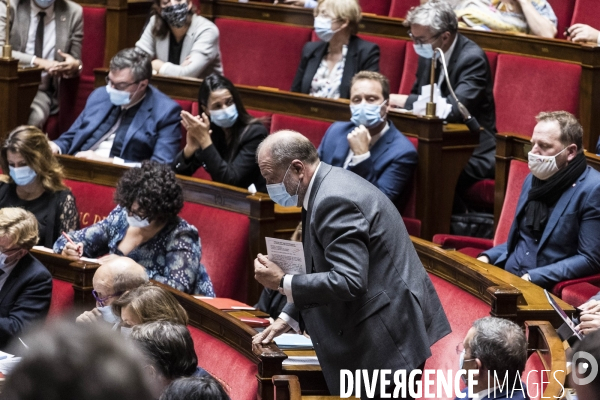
{"points": [[361, 56], [24, 298], [234, 165], [470, 76]]}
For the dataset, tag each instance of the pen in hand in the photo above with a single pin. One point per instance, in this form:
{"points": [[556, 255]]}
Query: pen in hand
{"points": [[78, 247]]}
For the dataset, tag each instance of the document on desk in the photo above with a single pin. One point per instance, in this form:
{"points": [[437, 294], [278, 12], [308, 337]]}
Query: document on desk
{"points": [[289, 255], [8, 362], [301, 360]]}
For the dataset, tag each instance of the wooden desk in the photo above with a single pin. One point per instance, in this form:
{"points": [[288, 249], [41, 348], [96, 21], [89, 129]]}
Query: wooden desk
{"points": [[443, 149], [18, 87]]}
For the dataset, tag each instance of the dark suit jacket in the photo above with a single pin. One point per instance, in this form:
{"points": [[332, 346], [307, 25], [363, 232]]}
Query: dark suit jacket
{"points": [[570, 245], [470, 76], [390, 166], [153, 134], [236, 166], [366, 301], [361, 56], [24, 298]]}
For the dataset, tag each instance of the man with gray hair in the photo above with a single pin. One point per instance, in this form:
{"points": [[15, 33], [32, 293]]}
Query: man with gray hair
{"points": [[113, 278], [495, 348], [434, 25], [127, 120], [366, 300]]}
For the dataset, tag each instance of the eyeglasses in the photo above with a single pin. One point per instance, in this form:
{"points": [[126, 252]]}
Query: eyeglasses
{"points": [[119, 86], [421, 41], [102, 300]]}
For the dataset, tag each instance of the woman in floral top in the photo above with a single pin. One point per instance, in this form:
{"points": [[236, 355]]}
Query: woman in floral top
{"points": [[145, 227]]}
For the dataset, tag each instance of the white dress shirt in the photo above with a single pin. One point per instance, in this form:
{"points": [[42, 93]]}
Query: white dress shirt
{"points": [[447, 55], [49, 46]]}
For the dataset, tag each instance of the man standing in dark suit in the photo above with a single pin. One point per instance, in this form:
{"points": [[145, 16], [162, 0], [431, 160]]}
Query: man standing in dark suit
{"points": [[127, 120], [434, 25], [365, 300], [25, 284], [370, 145]]}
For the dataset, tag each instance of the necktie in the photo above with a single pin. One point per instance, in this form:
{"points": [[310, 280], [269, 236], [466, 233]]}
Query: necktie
{"points": [[105, 129], [39, 36]]}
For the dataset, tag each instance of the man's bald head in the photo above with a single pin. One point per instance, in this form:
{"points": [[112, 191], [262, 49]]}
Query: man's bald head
{"points": [[282, 147], [118, 275]]}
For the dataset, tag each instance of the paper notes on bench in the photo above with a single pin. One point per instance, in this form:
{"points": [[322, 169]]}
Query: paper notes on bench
{"points": [[287, 254], [288, 341], [301, 360], [8, 362]]}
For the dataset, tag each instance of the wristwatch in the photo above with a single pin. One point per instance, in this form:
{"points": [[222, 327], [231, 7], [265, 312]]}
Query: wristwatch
{"points": [[280, 288]]}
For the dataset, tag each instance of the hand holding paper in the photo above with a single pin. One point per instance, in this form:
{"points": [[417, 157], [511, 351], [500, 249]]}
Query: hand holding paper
{"points": [[266, 272]]}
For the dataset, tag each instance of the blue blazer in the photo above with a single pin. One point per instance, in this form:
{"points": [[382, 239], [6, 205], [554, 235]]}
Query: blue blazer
{"points": [[24, 298], [390, 167], [570, 245], [153, 134]]}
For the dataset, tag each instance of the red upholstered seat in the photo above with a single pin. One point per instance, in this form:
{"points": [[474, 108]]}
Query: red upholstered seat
{"points": [[586, 12], [564, 12], [413, 226], [399, 8], [51, 128], [493, 61], [534, 376], [409, 72], [231, 368], [264, 117], [462, 309], [313, 129], [186, 105], [63, 298], [578, 293], [379, 7], [516, 176], [391, 60], [273, 63], [225, 253], [526, 86], [480, 196], [94, 201]]}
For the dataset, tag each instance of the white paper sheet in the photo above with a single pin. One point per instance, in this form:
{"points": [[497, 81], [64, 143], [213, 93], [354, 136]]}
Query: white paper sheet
{"points": [[289, 255], [301, 360], [442, 109], [293, 341]]}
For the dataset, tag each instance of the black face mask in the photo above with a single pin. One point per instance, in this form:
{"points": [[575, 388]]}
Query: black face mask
{"points": [[175, 15]]}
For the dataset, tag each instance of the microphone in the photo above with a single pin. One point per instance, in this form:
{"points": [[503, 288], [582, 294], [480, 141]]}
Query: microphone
{"points": [[468, 119], [7, 49]]}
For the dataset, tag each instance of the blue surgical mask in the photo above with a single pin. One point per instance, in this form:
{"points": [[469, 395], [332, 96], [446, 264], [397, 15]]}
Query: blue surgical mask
{"points": [[43, 3], [136, 222], [108, 315], [22, 175], [125, 331], [425, 50], [366, 114], [118, 97], [279, 194], [225, 118], [323, 28]]}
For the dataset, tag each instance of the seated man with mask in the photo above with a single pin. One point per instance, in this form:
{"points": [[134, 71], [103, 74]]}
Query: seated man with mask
{"points": [[25, 284], [370, 145], [554, 236], [494, 346], [433, 25], [113, 278], [127, 120]]}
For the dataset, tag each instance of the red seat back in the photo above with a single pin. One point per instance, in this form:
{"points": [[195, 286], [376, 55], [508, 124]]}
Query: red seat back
{"points": [[410, 207], [564, 13], [586, 12], [186, 105], [224, 236], [94, 201], [516, 176], [236, 373], [526, 86], [535, 376], [409, 72], [379, 7], [493, 61], [273, 63], [313, 129], [399, 8], [391, 60], [63, 298]]}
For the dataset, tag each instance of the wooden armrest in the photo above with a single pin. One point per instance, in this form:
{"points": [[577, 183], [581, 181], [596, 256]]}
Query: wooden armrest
{"points": [[286, 387]]}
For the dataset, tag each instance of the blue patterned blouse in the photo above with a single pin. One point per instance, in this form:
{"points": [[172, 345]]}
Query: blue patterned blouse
{"points": [[171, 257]]}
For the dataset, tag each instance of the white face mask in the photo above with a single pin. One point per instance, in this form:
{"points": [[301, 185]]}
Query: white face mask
{"points": [[136, 222], [108, 315], [126, 331], [543, 167]]}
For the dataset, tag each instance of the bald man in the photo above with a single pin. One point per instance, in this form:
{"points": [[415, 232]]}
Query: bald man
{"points": [[113, 278], [366, 300]]}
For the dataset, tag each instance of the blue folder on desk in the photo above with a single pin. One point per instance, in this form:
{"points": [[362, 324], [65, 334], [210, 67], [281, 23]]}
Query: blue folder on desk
{"points": [[289, 341]]}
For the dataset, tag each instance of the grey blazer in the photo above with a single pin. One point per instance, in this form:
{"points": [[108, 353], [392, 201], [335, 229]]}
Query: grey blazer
{"points": [[201, 43], [69, 28], [366, 300]]}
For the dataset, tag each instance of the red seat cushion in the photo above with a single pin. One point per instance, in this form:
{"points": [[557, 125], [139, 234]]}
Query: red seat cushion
{"points": [[563, 9], [379, 7], [409, 72], [521, 96], [579, 293], [313, 129], [94, 202], [413, 226], [480, 196], [399, 8], [516, 176], [493, 61], [273, 63], [391, 58], [535, 377], [63, 298], [264, 117], [186, 105], [231, 368], [586, 12], [52, 128], [224, 236]]}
